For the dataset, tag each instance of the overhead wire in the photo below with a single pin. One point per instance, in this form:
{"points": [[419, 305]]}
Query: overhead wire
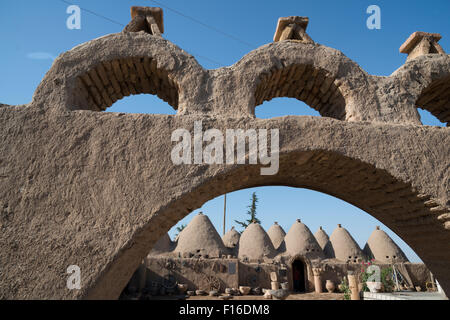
{"points": [[122, 25], [205, 25]]}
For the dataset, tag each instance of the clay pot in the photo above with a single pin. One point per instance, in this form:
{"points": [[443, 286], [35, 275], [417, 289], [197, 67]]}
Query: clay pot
{"points": [[200, 292], [256, 291], [213, 293], [330, 286], [244, 290], [279, 294], [374, 286], [267, 295], [182, 287]]}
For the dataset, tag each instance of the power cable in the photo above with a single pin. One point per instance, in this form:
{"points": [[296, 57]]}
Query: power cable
{"points": [[122, 25], [94, 13], [205, 25]]}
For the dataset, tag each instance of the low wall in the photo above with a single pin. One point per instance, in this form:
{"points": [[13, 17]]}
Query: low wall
{"points": [[198, 274], [231, 273]]}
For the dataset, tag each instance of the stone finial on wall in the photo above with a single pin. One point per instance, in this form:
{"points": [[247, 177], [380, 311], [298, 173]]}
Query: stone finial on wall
{"points": [[420, 43], [147, 19], [292, 28], [317, 271]]}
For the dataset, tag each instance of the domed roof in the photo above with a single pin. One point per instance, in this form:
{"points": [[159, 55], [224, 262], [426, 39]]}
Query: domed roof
{"points": [[300, 241], [321, 237], [163, 245], [343, 247], [231, 238], [255, 243], [200, 236], [382, 248], [276, 235]]}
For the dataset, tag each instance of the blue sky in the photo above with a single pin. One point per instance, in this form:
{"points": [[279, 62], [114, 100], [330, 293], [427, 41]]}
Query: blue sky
{"points": [[35, 32]]}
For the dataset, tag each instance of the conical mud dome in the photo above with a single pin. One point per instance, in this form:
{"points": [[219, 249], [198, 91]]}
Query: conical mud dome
{"points": [[321, 237], [200, 236], [164, 245], [343, 247], [231, 238], [276, 235], [300, 241], [255, 243], [323, 240], [382, 248]]}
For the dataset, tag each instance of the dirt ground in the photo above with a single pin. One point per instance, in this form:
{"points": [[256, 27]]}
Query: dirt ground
{"points": [[299, 296]]}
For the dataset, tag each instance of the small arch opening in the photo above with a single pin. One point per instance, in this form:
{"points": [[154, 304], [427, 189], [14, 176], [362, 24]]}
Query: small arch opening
{"points": [[312, 85], [435, 99], [428, 119], [110, 81], [280, 107], [142, 103]]}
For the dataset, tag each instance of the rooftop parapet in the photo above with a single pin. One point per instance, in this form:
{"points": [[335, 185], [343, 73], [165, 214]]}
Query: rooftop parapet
{"points": [[148, 19], [292, 28], [420, 43]]}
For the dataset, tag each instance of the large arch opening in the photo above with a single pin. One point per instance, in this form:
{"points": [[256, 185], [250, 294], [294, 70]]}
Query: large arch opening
{"points": [[283, 204], [276, 205], [396, 203], [310, 84]]}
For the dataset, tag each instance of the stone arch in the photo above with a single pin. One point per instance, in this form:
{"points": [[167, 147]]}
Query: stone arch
{"points": [[101, 190], [119, 65], [435, 98], [322, 77], [389, 199], [109, 81], [98, 189], [314, 86], [423, 82]]}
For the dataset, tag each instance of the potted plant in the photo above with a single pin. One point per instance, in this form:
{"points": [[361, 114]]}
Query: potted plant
{"points": [[372, 286], [386, 279], [344, 288]]}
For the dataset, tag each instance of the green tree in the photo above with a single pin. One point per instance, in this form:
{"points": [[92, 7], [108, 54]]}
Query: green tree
{"points": [[179, 229], [251, 212]]}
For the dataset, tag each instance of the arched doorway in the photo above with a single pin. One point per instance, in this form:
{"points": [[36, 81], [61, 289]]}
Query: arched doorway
{"points": [[298, 276]]}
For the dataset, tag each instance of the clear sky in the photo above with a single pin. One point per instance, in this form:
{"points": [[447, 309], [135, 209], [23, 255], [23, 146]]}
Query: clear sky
{"points": [[219, 33]]}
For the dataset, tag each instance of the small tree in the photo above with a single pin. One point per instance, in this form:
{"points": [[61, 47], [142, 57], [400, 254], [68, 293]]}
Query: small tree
{"points": [[179, 229], [251, 212]]}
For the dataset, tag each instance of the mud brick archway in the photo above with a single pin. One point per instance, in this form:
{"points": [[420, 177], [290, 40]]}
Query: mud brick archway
{"points": [[97, 190]]}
